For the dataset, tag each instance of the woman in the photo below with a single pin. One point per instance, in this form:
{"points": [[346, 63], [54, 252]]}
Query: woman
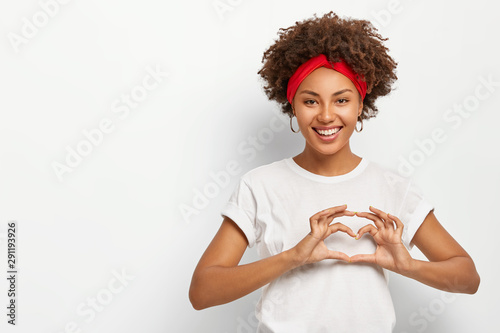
{"points": [[323, 267]]}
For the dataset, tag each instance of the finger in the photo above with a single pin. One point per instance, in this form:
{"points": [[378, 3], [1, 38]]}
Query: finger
{"points": [[399, 225], [341, 227], [344, 213], [320, 226], [329, 211], [337, 255], [382, 214], [313, 222], [390, 223], [369, 258], [369, 228], [376, 219], [327, 219], [326, 216]]}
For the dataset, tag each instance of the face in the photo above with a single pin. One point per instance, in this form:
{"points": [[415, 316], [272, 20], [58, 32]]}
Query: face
{"points": [[327, 106]]}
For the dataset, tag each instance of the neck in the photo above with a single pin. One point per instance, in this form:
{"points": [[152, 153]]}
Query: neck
{"points": [[339, 163]]}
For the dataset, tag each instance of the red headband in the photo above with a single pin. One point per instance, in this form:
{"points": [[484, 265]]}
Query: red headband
{"points": [[321, 61]]}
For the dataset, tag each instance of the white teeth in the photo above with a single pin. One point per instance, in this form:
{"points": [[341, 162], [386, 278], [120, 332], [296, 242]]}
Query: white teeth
{"points": [[328, 132]]}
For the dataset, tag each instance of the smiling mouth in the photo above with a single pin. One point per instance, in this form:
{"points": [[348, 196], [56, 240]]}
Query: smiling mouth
{"points": [[327, 132]]}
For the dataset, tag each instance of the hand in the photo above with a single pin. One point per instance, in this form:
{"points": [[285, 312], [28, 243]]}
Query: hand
{"points": [[312, 248], [390, 253]]}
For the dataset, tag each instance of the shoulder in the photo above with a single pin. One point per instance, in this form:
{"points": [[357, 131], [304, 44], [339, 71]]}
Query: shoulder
{"points": [[266, 173], [387, 176]]}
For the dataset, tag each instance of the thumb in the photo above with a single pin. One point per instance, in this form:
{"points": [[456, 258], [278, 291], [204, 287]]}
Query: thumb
{"points": [[337, 255], [369, 258]]}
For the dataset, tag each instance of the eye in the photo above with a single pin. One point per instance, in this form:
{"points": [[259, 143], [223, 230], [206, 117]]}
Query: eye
{"points": [[309, 102], [342, 100]]}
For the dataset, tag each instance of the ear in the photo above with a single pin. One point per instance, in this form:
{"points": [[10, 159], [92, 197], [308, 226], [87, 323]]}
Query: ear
{"points": [[360, 108]]}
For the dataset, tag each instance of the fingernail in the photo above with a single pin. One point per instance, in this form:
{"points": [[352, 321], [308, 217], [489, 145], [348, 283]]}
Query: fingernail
{"points": [[357, 237], [355, 213]]}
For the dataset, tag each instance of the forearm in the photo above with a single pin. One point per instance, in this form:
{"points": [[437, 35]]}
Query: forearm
{"points": [[457, 274], [217, 285]]}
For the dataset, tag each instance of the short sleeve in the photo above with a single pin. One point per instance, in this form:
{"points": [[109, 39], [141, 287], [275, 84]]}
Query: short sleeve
{"points": [[413, 211], [241, 208]]}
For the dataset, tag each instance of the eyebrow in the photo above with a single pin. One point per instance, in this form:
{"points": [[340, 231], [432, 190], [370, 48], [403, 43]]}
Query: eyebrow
{"points": [[334, 94]]}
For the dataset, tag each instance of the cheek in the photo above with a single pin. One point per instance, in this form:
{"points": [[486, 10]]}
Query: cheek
{"points": [[348, 116], [305, 118], [353, 119]]}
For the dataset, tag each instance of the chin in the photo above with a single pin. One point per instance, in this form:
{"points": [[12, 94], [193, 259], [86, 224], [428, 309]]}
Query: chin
{"points": [[327, 151]]}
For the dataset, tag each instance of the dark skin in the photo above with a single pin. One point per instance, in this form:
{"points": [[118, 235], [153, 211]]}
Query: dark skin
{"points": [[328, 99]]}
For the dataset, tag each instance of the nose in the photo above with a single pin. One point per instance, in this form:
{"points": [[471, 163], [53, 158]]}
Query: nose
{"points": [[326, 113]]}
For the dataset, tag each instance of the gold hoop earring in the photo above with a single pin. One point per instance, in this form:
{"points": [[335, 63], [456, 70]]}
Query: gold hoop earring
{"points": [[291, 127], [355, 127]]}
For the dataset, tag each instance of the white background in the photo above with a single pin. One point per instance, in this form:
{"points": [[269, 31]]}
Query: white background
{"points": [[119, 210]]}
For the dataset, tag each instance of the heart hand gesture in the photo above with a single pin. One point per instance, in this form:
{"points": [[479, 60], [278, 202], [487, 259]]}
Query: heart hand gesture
{"points": [[390, 253], [312, 248]]}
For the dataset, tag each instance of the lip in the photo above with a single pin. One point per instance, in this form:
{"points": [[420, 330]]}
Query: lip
{"points": [[329, 138], [325, 128]]}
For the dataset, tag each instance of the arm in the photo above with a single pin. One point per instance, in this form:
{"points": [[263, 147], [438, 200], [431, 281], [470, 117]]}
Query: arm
{"points": [[218, 279], [450, 268]]}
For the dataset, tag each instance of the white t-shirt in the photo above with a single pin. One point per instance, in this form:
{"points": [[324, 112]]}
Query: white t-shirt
{"points": [[272, 205]]}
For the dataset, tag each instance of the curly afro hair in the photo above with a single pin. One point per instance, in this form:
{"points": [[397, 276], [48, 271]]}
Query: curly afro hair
{"points": [[355, 41]]}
